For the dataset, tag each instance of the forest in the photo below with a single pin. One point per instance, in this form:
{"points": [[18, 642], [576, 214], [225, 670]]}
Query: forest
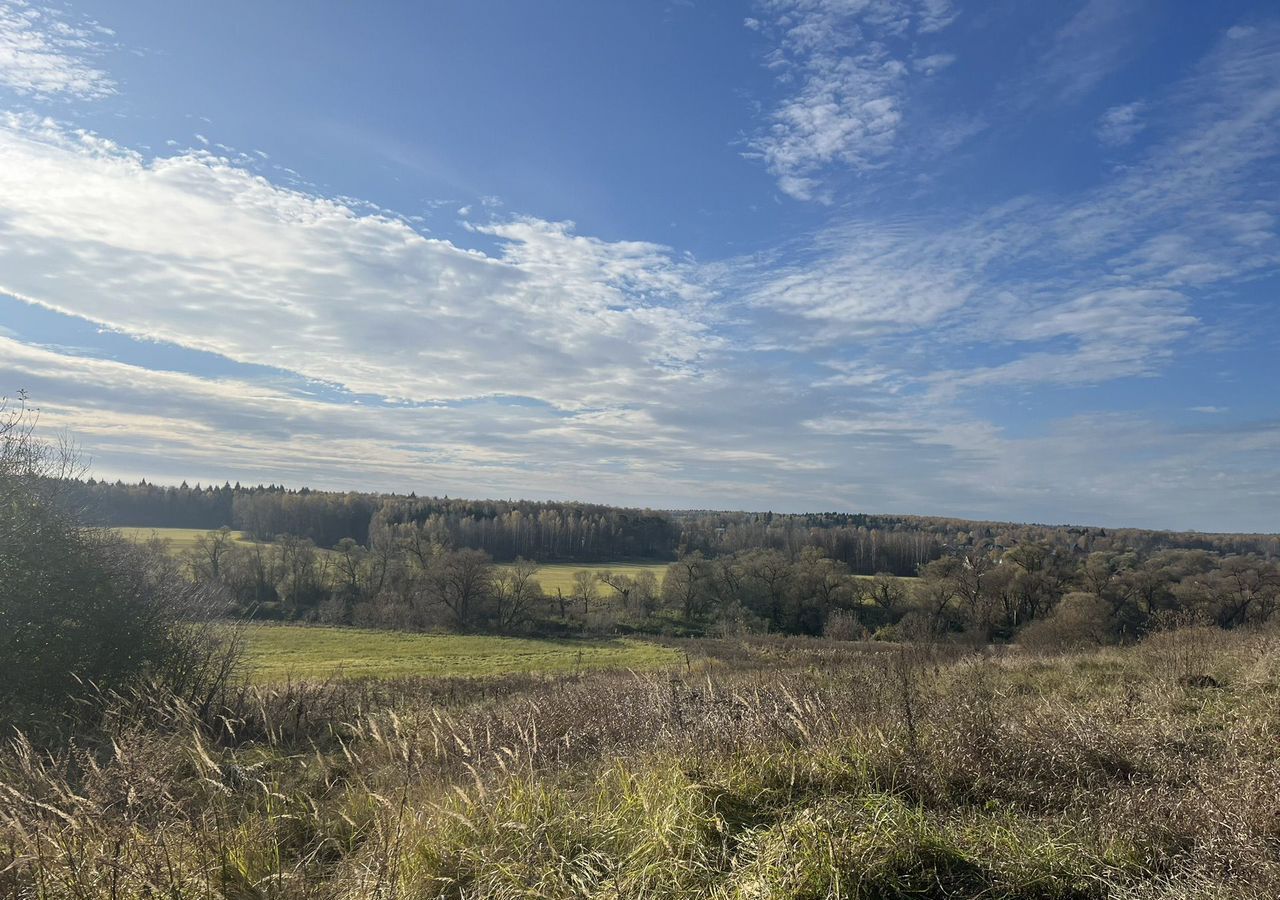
{"points": [[408, 578], [465, 565], [554, 531]]}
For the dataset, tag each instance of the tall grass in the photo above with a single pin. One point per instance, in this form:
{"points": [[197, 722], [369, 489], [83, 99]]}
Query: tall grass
{"points": [[836, 772]]}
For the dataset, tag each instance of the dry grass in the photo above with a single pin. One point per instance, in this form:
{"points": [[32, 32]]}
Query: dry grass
{"points": [[837, 772]]}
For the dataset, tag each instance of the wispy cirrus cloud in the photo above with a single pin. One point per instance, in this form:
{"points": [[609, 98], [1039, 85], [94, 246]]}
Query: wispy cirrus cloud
{"points": [[845, 69], [1100, 286], [868, 279], [45, 54], [1089, 46], [1119, 125], [933, 63]]}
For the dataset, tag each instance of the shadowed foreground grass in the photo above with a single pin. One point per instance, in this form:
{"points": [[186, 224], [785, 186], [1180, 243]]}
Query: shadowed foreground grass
{"points": [[836, 772], [282, 652]]}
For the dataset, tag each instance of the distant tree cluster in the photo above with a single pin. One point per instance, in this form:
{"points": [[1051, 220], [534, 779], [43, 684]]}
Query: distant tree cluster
{"points": [[146, 505], [410, 576], [866, 544], [589, 533], [323, 517], [900, 545], [569, 532], [415, 562], [407, 576], [1022, 591], [263, 511]]}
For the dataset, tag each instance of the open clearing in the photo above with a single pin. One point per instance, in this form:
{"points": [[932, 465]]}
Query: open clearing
{"points": [[560, 575], [179, 539], [280, 652]]}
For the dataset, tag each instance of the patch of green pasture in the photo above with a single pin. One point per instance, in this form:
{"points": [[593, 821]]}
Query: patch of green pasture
{"points": [[178, 539], [560, 575], [280, 652]]}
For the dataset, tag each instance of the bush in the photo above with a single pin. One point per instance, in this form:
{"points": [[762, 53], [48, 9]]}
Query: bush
{"points": [[887, 633], [843, 626], [919, 627], [1080, 620], [82, 612]]}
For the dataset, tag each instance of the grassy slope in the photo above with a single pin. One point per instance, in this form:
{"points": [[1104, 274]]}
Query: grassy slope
{"points": [[280, 652]]}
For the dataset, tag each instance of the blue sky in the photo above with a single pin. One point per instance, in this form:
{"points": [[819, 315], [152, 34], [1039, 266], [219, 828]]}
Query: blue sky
{"points": [[1001, 260]]}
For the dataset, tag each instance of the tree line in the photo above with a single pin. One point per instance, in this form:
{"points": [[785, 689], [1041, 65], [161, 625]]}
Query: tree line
{"points": [[410, 577], [589, 533]]}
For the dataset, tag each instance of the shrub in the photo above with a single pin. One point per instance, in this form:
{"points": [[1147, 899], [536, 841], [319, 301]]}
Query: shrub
{"points": [[82, 612], [843, 626], [1080, 620], [887, 633]]}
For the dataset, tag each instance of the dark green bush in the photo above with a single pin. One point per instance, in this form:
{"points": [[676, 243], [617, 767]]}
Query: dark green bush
{"points": [[83, 613]]}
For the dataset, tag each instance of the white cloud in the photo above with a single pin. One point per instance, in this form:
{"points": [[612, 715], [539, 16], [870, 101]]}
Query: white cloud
{"points": [[43, 55], [1173, 477], [935, 15], [1119, 125], [194, 250], [894, 457], [139, 422], [758, 443], [870, 280], [933, 63], [1090, 46], [1079, 291], [846, 67]]}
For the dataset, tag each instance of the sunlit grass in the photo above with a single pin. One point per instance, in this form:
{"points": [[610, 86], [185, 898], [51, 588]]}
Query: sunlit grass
{"points": [[560, 575], [178, 540]]}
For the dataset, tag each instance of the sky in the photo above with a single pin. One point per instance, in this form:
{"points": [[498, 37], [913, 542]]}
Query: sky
{"points": [[994, 260]]}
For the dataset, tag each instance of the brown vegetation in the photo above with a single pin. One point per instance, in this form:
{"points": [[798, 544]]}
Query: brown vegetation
{"points": [[764, 768]]}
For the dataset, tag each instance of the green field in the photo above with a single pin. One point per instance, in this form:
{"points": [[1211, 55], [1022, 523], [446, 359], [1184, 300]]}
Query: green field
{"points": [[560, 575], [280, 652], [178, 539]]}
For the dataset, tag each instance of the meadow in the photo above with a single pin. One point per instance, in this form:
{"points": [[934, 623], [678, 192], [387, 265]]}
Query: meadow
{"points": [[177, 540], [279, 653], [553, 576], [765, 768]]}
